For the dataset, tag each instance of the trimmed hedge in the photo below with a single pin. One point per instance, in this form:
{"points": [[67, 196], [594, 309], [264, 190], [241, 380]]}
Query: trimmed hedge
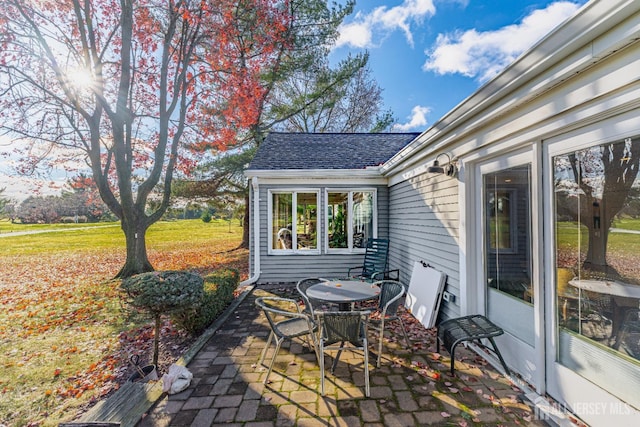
{"points": [[218, 293], [160, 292]]}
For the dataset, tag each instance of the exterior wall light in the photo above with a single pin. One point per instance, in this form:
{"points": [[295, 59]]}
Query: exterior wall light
{"points": [[448, 168]]}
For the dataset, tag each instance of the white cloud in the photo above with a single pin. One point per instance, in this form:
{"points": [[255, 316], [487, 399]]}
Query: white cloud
{"points": [[417, 120], [482, 55], [382, 21]]}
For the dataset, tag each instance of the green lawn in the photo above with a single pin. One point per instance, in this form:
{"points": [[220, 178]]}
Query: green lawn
{"points": [[64, 332], [7, 226]]}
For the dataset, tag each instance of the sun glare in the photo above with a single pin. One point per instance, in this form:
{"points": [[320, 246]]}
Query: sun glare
{"points": [[80, 78]]}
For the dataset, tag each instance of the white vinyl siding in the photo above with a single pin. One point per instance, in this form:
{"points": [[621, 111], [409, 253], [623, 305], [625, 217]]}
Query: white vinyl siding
{"points": [[424, 226]]}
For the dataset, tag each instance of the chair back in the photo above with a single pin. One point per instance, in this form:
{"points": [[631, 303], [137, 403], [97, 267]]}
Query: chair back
{"points": [[375, 257], [282, 322], [343, 326], [391, 292], [302, 287]]}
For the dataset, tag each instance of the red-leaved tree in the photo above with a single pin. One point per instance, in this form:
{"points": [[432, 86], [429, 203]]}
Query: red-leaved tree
{"points": [[132, 88]]}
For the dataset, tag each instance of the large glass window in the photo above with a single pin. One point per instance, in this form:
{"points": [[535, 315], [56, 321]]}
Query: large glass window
{"points": [[294, 221], [597, 224], [350, 218], [508, 231]]}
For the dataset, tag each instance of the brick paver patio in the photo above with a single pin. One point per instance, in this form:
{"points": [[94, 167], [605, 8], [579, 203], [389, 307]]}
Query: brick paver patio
{"points": [[411, 388]]}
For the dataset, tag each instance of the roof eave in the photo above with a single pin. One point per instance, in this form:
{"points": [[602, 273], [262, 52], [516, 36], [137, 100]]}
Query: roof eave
{"points": [[369, 172]]}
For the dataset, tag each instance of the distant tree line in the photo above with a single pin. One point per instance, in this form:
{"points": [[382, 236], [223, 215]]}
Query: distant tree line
{"points": [[79, 202]]}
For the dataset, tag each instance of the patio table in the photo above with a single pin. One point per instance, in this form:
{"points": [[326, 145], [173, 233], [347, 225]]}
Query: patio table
{"points": [[343, 292], [624, 296]]}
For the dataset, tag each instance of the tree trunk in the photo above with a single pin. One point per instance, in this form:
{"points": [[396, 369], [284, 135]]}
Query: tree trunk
{"points": [[137, 260], [156, 341], [245, 223], [597, 250], [598, 226]]}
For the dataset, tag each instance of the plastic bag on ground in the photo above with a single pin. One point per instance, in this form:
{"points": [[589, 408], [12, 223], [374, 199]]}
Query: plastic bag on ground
{"points": [[176, 379]]}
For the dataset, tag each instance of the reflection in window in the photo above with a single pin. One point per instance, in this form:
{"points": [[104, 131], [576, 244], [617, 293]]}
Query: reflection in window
{"points": [[508, 231], [597, 223], [303, 219], [350, 218], [337, 218], [282, 221], [501, 220], [362, 218], [306, 226]]}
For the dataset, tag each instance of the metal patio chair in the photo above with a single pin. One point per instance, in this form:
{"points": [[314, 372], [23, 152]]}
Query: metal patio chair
{"points": [[374, 266], [343, 327], [309, 303], [391, 292], [628, 337], [285, 325]]}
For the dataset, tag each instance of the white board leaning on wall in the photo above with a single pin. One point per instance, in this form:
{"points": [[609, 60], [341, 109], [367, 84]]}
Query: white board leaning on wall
{"points": [[425, 293]]}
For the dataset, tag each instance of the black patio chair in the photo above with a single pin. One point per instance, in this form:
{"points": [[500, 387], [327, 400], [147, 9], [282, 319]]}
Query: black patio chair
{"points": [[391, 292], [342, 327], [374, 266], [285, 325]]}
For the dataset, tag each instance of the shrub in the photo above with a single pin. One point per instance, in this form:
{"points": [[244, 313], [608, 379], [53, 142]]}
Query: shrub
{"points": [[218, 293], [163, 292], [206, 216]]}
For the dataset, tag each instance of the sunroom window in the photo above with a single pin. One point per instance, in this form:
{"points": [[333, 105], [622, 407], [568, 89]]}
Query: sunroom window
{"points": [[350, 218], [294, 219]]}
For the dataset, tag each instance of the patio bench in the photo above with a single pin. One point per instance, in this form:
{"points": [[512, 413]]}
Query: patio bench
{"points": [[471, 328]]}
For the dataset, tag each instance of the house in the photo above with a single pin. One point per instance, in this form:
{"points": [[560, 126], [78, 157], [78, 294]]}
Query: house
{"points": [[534, 219], [315, 184]]}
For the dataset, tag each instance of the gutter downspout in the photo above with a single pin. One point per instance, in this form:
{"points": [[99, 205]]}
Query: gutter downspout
{"points": [[256, 234]]}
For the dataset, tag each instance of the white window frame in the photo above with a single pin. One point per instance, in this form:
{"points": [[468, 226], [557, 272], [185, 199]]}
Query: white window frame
{"points": [[294, 237], [349, 249]]}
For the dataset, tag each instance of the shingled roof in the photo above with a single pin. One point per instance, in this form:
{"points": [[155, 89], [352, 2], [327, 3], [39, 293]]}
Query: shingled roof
{"points": [[281, 151]]}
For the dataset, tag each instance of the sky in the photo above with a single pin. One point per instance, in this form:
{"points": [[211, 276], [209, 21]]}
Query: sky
{"points": [[430, 55], [426, 55]]}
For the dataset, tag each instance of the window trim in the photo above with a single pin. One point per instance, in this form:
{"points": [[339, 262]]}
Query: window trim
{"points": [[294, 237], [350, 190]]}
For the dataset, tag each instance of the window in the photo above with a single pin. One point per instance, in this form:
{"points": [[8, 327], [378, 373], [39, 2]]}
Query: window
{"points": [[294, 219], [597, 218], [351, 217], [508, 231]]}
